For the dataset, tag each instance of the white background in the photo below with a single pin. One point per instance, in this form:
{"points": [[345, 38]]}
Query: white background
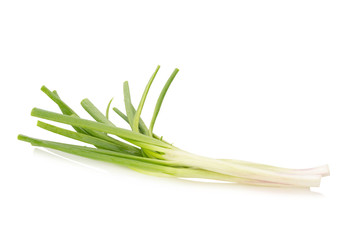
{"points": [[275, 82]]}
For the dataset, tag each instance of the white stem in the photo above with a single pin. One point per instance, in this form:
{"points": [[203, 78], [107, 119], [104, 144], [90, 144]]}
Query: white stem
{"points": [[242, 170], [320, 170]]}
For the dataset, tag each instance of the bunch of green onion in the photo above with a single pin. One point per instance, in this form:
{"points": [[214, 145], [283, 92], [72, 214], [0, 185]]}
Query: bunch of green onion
{"points": [[143, 151]]}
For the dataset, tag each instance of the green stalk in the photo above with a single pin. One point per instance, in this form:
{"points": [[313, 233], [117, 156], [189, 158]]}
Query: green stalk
{"points": [[95, 112], [128, 105], [108, 108], [142, 126], [65, 109], [58, 145], [161, 99], [142, 101], [99, 117], [98, 142], [55, 97], [121, 114], [120, 132], [91, 153]]}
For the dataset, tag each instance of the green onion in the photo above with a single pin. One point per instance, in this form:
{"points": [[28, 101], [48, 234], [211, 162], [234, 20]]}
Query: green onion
{"points": [[143, 151]]}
